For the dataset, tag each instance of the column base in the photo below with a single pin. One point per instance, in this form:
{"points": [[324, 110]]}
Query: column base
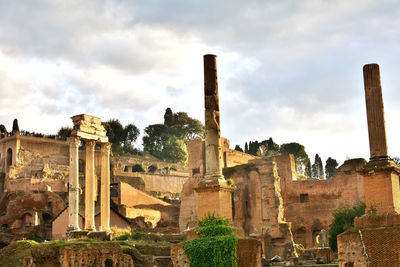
{"points": [[101, 235], [76, 234], [214, 197]]}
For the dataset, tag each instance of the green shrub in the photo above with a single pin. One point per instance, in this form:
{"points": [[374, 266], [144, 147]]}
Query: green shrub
{"points": [[216, 245], [343, 219], [135, 235]]}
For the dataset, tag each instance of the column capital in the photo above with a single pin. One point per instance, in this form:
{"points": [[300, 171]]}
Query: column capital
{"points": [[105, 147], [73, 141], [90, 144]]}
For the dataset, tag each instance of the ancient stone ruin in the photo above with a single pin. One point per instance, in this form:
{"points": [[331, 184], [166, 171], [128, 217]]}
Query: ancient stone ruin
{"points": [[214, 195], [375, 239], [90, 130]]}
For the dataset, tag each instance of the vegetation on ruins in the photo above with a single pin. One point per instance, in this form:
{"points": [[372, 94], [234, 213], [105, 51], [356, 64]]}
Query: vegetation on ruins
{"points": [[216, 245], [343, 219], [15, 127], [64, 132], [238, 148], [263, 148], [121, 137], [3, 129], [168, 140], [298, 151], [330, 167], [317, 169], [14, 254]]}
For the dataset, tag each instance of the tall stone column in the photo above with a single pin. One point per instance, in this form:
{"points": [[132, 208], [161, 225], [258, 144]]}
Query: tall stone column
{"points": [[375, 112], [73, 192], [212, 124], [105, 187], [381, 175], [89, 186], [214, 196]]}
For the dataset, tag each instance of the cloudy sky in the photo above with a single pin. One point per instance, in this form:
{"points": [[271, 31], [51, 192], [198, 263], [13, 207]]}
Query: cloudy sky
{"points": [[291, 70]]}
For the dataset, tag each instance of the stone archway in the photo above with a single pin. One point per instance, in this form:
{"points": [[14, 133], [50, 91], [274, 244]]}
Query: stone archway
{"points": [[300, 236]]}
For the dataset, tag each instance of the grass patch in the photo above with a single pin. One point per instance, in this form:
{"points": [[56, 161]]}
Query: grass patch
{"points": [[14, 254]]}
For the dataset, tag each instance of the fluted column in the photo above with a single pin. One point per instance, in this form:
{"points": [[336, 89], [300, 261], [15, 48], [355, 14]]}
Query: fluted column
{"points": [[375, 112], [212, 122], [105, 187], [73, 191], [89, 186]]}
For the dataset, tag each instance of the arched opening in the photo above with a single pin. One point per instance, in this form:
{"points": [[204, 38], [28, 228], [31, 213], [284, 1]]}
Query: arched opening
{"points": [[152, 168], [316, 228], [137, 168], [108, 263], [27, 220], [9, 157], [300, 236], [46, 218]]}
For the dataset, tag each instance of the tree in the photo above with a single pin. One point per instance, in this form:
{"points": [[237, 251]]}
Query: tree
{"points": [[299, 153], [330, 167], [246, 148], [238, 148], [168, 140], [307, 170], [64, 132], [317, 170], [122, 138], [3, 129], [343, 219], [15, 127]]}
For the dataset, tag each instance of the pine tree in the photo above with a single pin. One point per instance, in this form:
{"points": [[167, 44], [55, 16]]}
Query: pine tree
{"points": [[238, 148], [246, 148], [307, 171], [330, 167], [317, 169]]}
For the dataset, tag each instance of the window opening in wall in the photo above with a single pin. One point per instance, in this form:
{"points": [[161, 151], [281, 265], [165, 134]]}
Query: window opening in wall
{"points": [[225, 160], [137, 168], [152, 168], [126, 169], [349, 264], [195, 171], [108, 263], [9, 157], [303, 198]]}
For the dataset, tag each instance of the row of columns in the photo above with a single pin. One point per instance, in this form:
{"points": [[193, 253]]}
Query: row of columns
{"points": [[90, 185]]}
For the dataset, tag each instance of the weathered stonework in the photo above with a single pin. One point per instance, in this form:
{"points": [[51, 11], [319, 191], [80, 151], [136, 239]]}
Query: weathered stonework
{"points": [[374, 241], [90, 130], [214, 194]]}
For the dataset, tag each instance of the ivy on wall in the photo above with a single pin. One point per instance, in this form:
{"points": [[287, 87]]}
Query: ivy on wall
{"points": [[216, 245]]}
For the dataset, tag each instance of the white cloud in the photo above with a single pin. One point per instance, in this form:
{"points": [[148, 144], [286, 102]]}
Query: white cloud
{"points": [[287, 69]]}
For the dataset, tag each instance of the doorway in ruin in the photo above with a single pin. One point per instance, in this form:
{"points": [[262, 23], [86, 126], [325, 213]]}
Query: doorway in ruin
{"points": [[108, 263], [300, 236], [27, 220]]}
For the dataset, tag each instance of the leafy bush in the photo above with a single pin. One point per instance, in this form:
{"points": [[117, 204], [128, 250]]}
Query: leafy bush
{"points": [[343, 219], [216, 245]]}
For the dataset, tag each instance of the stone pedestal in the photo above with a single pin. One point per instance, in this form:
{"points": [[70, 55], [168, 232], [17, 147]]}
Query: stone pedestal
{"points": [[214, 199], [381, 186]]}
